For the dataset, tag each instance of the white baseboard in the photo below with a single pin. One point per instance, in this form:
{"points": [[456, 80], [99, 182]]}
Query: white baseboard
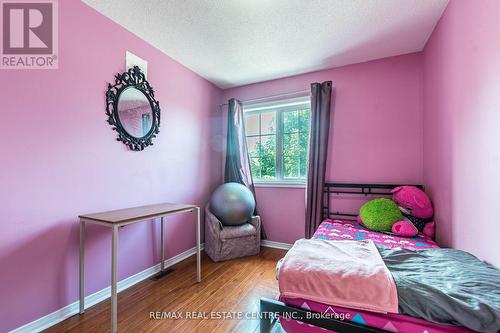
{"points": [[73, 308], [276, 245]]}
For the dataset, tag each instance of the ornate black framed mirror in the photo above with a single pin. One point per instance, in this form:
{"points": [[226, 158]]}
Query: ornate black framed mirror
{"points": [[132, 109]]}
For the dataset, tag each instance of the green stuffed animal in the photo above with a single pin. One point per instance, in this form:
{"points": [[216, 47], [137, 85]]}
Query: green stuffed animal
{"points": [[379, 214]]}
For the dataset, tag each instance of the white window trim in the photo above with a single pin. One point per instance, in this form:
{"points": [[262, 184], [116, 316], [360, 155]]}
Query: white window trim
{"points": [[290, 103], [280, 184], [249, 107]]}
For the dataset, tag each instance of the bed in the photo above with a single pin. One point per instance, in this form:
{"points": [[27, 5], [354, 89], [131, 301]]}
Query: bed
{"points": [[351, 230], [303, 315]]}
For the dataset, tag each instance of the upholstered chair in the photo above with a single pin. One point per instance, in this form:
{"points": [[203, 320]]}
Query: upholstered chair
{"points": [[228, 242]]}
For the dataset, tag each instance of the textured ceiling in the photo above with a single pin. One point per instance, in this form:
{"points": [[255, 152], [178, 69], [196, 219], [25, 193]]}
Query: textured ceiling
{"points": [[236, 42]]}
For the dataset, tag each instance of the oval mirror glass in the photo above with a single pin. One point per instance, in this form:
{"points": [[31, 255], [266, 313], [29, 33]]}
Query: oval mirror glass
{"points": [[135, 112]]}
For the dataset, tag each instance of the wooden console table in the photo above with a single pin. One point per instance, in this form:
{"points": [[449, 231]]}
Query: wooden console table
{"points": [[118, 218]]}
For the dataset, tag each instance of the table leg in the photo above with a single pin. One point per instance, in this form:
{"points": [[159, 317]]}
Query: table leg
{"points": [[163, 271], [198, 245], [114, 304], [82, 267], [162, 247]]}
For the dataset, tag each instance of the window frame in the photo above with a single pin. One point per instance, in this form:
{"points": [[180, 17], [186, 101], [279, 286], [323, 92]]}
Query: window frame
{"points": [[279, 107]]}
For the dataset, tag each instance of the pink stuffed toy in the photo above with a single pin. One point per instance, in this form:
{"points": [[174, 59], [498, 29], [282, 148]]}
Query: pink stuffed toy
{"points": [[417, 209], [404, 228]]}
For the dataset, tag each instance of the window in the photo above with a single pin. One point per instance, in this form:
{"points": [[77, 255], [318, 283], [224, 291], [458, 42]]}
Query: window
{"points": [[278, 140]]}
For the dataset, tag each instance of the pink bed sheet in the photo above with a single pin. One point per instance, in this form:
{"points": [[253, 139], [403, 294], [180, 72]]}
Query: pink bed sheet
{"points": [[345, 229], [389, 322], [351, 230]]}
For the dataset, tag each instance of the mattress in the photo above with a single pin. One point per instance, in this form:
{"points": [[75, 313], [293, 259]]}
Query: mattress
{"points": [[341, 230]]}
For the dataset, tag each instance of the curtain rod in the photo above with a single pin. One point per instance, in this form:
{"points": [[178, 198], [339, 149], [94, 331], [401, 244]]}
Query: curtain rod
{"points": [[271, 96]]}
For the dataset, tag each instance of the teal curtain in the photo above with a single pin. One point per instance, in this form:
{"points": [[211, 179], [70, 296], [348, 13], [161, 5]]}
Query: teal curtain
{"points": [[237, 167]]}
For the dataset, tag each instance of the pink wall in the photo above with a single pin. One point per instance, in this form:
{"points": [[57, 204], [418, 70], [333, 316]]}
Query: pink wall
{"points": [[376, 125], [462, 125], [59, 158]]}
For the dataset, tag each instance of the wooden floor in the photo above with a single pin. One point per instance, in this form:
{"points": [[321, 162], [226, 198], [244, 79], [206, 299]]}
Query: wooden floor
{"points": [[229, 286]]}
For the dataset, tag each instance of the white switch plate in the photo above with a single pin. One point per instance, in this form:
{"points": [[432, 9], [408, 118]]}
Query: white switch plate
{"points": [[132, 60]]}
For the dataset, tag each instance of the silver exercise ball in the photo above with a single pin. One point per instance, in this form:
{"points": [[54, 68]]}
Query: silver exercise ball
{"points": [[232, 203]]}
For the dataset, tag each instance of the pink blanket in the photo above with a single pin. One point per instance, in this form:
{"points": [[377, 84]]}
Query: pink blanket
{"points": [[344, 273]]}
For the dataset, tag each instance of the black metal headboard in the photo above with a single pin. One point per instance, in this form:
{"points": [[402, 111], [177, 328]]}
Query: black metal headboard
{"points": [[328, 211]]}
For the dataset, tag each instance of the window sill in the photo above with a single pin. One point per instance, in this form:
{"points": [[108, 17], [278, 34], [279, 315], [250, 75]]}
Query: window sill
{"points": [[280, 184]]}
